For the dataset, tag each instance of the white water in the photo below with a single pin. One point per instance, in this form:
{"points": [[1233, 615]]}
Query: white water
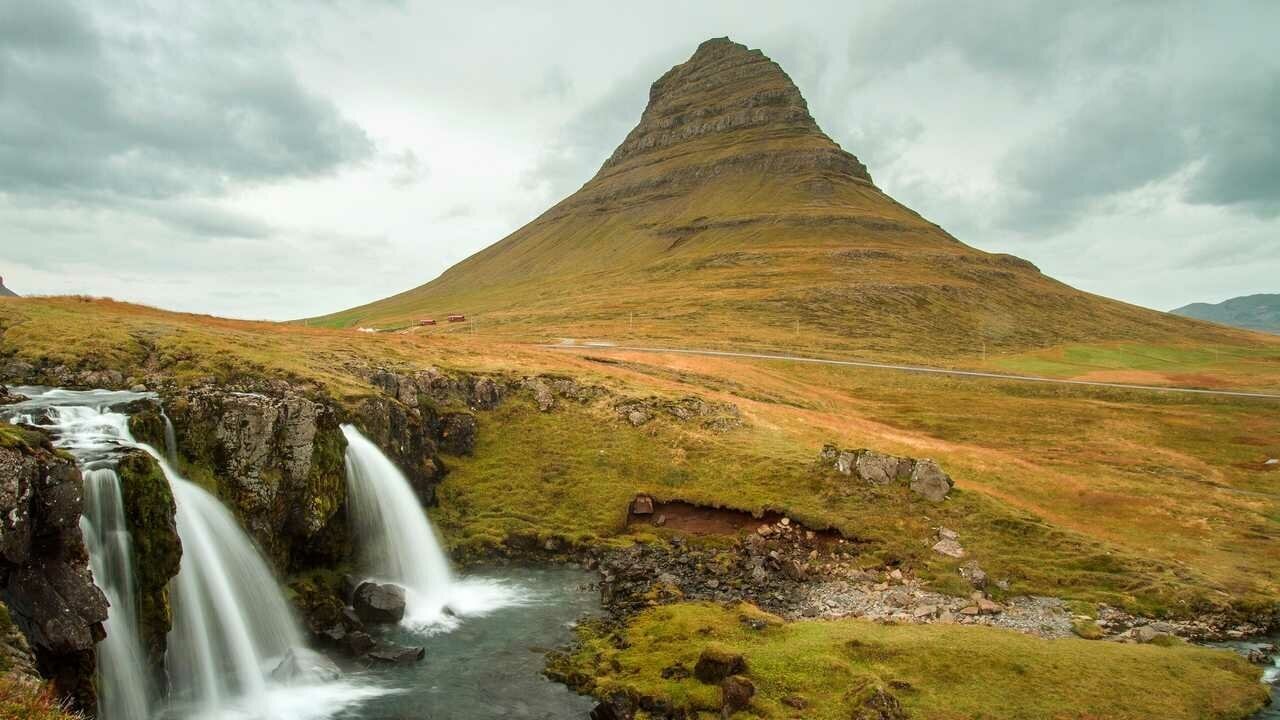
{"points": [[91, 434], [122, 682], [231, 622], [399, 545]]}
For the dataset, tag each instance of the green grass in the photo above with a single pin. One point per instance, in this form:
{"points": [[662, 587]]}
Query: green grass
{"points": [[936, 672]]}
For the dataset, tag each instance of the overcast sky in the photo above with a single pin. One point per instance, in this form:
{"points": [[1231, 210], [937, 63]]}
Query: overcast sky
{"points": [[284, 159]]}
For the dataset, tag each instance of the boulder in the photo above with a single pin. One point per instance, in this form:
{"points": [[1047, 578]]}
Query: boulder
{"points": [[717, 663], [736, 693], [950, 548], [845, 462], [379, 603], [392, 654], [879, 705], [930, 482], [876, 468], [302, 666]]}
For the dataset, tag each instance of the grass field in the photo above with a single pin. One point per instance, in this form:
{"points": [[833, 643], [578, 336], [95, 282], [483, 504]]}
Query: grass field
{"points": [[1150, 501], [830, 670]]}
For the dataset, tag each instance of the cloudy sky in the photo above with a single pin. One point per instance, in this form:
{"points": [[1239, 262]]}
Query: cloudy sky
{"points": [[283, 159]]}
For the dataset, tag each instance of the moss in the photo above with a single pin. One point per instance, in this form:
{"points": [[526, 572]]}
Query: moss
{"points": [[932, 671], [1087, 629], [326, 481], [146, 425], [14, 436], [150, 512]]}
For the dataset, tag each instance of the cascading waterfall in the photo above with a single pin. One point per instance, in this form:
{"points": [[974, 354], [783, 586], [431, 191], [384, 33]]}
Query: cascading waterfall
{"points": [[122, 683], [399, 544], [170, 439], [92, 434], [396, 538], [231, 621]]}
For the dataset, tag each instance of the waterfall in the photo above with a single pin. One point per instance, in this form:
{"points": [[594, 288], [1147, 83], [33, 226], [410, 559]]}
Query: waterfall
{"points": [[122, 682], [399, 545], [170, 440], [396, 539], [231, 622]]}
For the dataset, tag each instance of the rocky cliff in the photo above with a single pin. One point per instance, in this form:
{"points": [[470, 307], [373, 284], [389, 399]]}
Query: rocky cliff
{"points": [[44, 568]]}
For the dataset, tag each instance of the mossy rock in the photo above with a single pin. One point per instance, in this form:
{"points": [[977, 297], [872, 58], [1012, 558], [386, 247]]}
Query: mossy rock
{"points": [[150, 512]]}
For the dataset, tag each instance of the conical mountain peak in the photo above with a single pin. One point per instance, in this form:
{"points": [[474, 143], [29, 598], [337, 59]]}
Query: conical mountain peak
{"points": [[728, 100]]}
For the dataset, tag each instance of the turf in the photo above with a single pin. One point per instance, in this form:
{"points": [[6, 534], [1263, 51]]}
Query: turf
{"points": [[950, 672]]}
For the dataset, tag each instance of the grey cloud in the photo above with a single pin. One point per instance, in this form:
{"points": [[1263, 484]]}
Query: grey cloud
{"points": [[1240, 141], [1122, 139], [119, 104], [208, 221], [1015, 40]]}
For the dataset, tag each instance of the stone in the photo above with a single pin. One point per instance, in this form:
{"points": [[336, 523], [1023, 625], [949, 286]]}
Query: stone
{"points": [[1272, 461], [947, 534], [974, 573], [880, 705], [458, 433], [543, 396], [989, 607], [642, 505], [829, 453], [876, 468], [716, 663], [359, 643], [392, 654], [795, 701], [618, 706], [845, 462], [379, 603], [1148, 634], [736, 693], [301, 665], [930, 482], [950, 548], [970, 611]]}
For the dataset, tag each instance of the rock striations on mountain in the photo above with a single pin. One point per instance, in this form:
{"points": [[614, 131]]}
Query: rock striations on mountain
{"points": [[727, 216]]}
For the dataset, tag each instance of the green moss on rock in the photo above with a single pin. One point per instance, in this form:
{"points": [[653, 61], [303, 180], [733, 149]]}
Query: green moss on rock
{"points": [[150, 513]]}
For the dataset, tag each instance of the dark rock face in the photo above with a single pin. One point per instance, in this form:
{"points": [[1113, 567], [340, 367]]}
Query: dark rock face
{"points": [[278, 460], [151, 514], [376, 603], [44, 568], [458, 433]]}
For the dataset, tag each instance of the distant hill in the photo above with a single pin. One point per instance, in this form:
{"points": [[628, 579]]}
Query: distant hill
{"points": [[1252, 312], [6, 292], [727, 217]]}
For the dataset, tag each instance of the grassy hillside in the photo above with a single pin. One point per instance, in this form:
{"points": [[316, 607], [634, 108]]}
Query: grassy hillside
{"points": [[727, 218], [1156, 502]]}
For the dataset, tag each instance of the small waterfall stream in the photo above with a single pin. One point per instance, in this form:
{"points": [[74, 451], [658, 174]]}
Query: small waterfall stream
{"points": [[399, 545]]}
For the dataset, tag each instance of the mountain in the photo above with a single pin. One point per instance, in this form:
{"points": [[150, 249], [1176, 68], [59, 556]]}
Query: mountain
{"points": [[6, 292], [1252, 312], [728, 217]]}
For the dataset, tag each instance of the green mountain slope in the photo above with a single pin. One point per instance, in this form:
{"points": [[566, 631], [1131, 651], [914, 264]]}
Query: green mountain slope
{"points": [[727, 217]]}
